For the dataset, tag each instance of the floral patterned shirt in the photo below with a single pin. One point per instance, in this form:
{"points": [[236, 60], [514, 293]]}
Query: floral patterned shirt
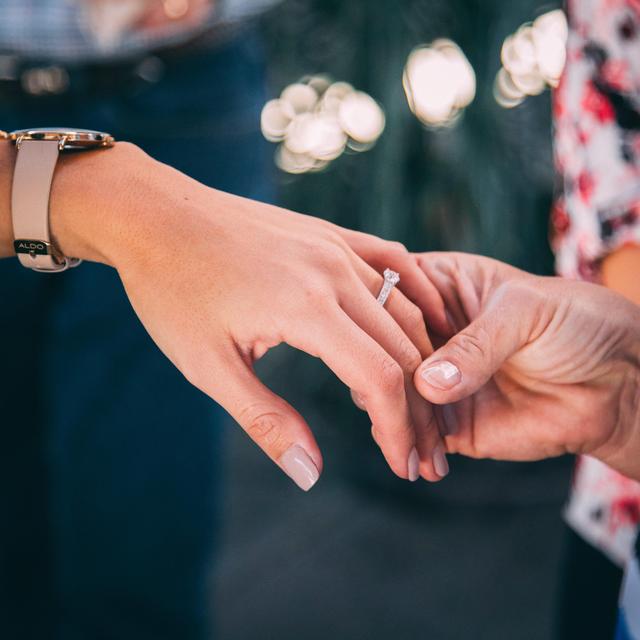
{"points": [[597, 138], [597, 149]]}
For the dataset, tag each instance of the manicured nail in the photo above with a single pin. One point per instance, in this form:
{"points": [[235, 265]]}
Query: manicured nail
{"points": [[441, 375], [413, 465], [440, 464], [450, 419], [299, 467]]}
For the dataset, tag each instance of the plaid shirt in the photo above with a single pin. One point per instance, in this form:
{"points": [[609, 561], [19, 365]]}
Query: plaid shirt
{"points": [[60, 30]]}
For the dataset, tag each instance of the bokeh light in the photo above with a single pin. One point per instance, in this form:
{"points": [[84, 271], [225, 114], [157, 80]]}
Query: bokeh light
{"points": [[315, 120], [533, 59], [439, 83]]}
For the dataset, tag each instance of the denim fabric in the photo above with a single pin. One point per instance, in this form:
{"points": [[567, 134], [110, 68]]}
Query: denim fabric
{"points": [[110, 460], [61, 29]]}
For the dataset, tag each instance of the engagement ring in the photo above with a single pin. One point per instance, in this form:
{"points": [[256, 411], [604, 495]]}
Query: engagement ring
{"points": [[391, 279]]}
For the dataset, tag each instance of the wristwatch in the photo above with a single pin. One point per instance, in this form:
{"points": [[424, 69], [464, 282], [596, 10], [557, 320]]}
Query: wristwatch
{"points": [[38, 151]]}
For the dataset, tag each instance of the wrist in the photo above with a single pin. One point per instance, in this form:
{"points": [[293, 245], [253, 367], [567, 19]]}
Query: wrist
{"points": [[630, 411], [96, 199], [622, 450]]}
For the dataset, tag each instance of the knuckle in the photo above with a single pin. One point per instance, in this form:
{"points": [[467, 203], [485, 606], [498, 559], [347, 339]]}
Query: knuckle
{"points": [[390, 377], [264, 426], [337, 240], [397, 248], [318, 291], [516, 292], [333, 258], [415, 319], [316, 294], [390, 434], [196, 375], [410, 358], [476, 346]]}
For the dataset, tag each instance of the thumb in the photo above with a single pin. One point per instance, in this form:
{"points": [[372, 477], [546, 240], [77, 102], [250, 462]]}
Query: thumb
{"points": [[471, 357], [271, 422]]}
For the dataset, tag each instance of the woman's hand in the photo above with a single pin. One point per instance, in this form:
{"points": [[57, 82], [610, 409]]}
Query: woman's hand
{"points": [[539, 366], [217, 280]]}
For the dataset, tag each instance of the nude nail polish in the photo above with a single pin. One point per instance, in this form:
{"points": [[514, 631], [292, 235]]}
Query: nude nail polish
{"points": [[441, 375], [299, 466], [413, 465], [440, 464]]}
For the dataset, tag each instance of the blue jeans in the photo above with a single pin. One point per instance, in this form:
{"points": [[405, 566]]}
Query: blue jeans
{"points": [[110, 460]]}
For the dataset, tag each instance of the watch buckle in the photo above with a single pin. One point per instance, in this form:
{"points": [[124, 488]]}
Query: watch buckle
{"points": [[66, 263], [35, 248]]}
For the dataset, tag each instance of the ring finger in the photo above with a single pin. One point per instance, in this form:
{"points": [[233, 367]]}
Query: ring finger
{"points": [[363, 308]]}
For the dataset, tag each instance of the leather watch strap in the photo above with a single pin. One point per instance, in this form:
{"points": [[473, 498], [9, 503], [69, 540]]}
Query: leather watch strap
{"points": [[33, 174]]}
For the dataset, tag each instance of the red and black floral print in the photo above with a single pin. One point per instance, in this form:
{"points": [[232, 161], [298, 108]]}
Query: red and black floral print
{"points": [[597, 141], [597, 149]]}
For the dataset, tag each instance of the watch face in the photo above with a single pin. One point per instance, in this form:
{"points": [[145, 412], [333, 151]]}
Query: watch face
{"points": [[67, 137]]}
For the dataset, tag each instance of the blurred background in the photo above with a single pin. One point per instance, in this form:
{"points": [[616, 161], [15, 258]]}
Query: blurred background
{"points": [[365, 555]]}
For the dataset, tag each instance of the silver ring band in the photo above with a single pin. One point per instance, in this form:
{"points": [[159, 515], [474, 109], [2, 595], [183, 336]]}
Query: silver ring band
{"points": [[391, 279]]}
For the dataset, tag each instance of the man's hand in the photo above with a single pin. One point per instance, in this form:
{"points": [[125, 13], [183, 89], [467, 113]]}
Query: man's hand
{"points": [[217, 280], [539, 366]]}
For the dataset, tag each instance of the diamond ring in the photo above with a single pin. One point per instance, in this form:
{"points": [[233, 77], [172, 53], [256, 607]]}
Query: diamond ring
{"points": [[391, 279]]}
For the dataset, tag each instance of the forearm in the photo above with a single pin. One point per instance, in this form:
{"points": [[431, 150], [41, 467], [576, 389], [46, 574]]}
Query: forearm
{"points": [[98, 199]]}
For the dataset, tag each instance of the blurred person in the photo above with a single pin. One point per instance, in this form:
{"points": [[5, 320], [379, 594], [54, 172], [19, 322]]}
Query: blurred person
{"points": [[596, 224], [539, 367], [111, 467]]}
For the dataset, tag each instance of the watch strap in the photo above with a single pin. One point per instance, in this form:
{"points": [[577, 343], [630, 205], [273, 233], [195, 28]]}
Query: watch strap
{"points": [[33, 174]]}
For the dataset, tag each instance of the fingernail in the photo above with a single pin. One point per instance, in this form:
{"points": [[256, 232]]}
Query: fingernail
{"points": [[413, 465], [299, 467], [450, 419], [441, 375], [440, 464]]}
